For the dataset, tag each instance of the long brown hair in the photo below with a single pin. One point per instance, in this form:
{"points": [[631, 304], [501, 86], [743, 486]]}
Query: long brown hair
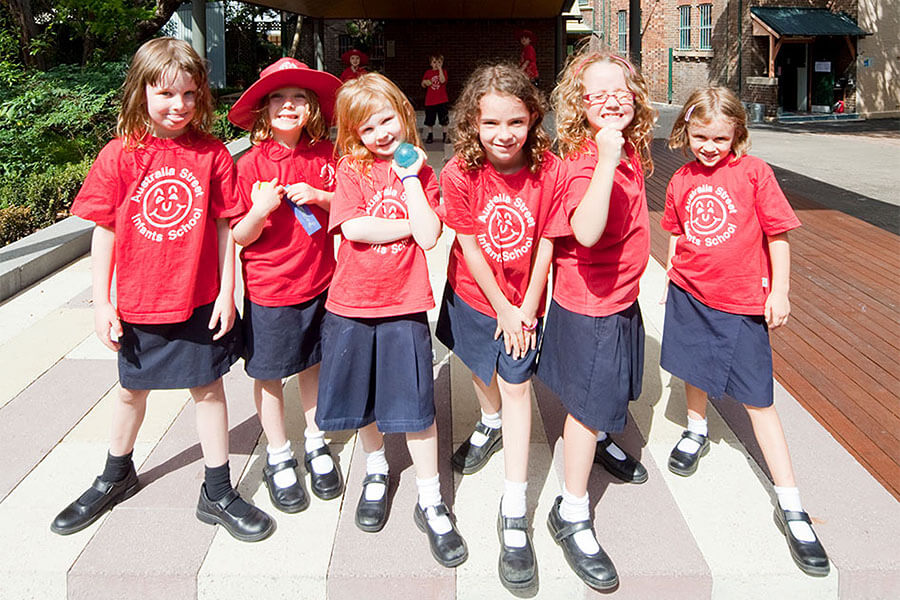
{"points": [[314, 128], [507, 79], [704, 105], [155, 62], [572, 127]]}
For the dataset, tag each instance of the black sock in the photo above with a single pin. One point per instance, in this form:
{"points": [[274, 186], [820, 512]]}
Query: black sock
{"points": [[218, 484], [117, 467]]}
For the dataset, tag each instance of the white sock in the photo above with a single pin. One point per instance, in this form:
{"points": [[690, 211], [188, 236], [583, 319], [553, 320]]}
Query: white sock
{"points": [[574, 509], [314, 440], [430, 495], [286, 477], [514, 505], [698, 426], [376, 463], [789, 499], [611, 449], [492, 420]]}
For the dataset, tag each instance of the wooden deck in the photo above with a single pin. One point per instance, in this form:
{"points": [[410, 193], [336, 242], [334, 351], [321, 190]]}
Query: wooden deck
{"points": [[839, 354]]}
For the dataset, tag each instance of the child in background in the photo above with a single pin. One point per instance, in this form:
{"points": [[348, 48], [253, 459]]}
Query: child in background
{"points": [[593, 350], [377, 362], [159, 194], [729, 267], [501, 192], [285, 185], [435, 83], [528, 57], [355, 61]]}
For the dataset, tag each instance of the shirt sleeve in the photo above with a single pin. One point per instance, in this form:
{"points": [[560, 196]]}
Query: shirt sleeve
{"points": [[246, 177], [457, 212], [558, 219], [348, 202], [222, 204], [670, 221], [579, 171], [430, 185], [772, 207], [100, 194]]}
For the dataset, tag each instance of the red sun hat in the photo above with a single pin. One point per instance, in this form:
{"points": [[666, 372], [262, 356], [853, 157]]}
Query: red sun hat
{"points": [[285, 72], [363, 57], [520, 33]]}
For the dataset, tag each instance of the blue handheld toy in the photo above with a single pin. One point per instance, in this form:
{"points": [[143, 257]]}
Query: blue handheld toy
{"points": [[406, 155]]}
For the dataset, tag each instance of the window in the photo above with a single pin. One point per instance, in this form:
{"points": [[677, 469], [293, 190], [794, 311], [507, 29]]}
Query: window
{"points": [[684, 27], [623, 32], [705, 26], [584, 3]]}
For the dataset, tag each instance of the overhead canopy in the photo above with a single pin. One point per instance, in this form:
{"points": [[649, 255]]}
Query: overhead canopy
{"points": [[421, 9], [785, 21]]}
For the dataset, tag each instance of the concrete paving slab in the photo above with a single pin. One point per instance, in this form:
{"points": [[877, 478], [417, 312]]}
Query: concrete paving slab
{"points": [[92, 348], [163, 406]]}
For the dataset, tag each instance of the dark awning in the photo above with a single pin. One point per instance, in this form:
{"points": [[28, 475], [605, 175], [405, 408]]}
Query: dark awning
{"points": [[422, 9], [786, 21]]}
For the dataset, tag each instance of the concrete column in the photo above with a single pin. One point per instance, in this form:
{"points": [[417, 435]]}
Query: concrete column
{"points": [[198, 26]]}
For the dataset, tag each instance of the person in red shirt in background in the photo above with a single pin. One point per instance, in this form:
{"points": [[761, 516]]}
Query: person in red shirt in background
{"points": [[528, 57], [729, 267], [285, 184], [377, 372], [161, 195], [435, 83], [355, 61]]}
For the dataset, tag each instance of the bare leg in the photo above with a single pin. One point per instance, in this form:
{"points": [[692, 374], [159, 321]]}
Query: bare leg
{"points": [[212, 422], [423, 448], [579, 443], [128, 412], [488, 395], [269, 398], [371, 438], [516, 428], [696, 401], [770, 436], [308, 382]]}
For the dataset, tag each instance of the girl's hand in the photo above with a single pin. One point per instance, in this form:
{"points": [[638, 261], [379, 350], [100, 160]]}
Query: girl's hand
{"points": [[778, 307], [302, 193], [266, 196], [107, 325], [510, 323], [412, 169], [223, 314], [609, 145]]}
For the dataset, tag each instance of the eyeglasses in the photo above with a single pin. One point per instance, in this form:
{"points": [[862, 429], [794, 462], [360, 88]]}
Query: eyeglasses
{"points": [[600, 98]]}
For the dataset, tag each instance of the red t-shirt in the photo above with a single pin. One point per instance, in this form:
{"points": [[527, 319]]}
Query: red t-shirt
{"points": [[605, 278], [349, 73], [507, 214], [286, 265], [378, 280], [529, 54], [436, 93], [162, 201], [722, 215]]}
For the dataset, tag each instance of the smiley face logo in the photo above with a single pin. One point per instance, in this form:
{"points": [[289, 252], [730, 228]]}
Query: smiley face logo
{"points": [[707, 214], [389, 208], [506, 227], [166, 203], [327, 176]]}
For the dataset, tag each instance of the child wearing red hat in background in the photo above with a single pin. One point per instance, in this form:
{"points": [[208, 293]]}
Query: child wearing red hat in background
{"points": [[355, 61]]}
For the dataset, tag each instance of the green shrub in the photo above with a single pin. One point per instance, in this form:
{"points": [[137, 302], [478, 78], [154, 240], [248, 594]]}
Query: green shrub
{"points": [[15, 223]]}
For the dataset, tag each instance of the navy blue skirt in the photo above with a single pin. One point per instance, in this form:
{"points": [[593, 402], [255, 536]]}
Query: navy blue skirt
{"points": [[282, 340], [594, 364], [376, 370], [721, 353], [176, 355], [470, 335]]}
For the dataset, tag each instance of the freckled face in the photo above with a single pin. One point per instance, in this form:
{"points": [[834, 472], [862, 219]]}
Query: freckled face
{"points": [[382, 132], [503, 126], [711, 141], [171, 104]]}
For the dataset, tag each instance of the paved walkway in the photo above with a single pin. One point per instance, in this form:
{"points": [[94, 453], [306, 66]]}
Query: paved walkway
{"points": [[710, 536]]}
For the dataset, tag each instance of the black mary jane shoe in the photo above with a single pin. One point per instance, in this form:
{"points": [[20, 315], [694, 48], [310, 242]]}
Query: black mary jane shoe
{"points": [[81, 513], [809, 556], [629, 470], [326, 485], [469, 458], [256, 525], [371, 515], [449, 549], [685, 463], [291, 499], [516, 565], [596, 570]]}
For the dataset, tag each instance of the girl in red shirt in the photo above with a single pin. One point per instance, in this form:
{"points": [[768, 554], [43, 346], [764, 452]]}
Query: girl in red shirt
{"points": [[284, 188], [160, 195], [501, 192], [377, 362], [729, 268], [604, 126]]}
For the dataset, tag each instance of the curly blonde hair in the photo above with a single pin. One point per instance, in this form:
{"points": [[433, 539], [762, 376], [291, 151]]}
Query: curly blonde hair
{"points": [[507, 79], [704, 105], [572, 128], [314, 128], [154, 62], [357, 100]]}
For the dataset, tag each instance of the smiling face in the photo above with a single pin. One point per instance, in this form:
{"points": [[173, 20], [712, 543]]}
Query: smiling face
{"points": [[171, 104], [503, 125], [382, 132], [354, 60], [711, 141], [617, 109], [288, 111]]}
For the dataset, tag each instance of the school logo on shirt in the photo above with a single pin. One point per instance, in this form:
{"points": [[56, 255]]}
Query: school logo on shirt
{"points": [[507, 221], [435, 82], [387, 204], [166, 198], [327, 176], [707, 216]]}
